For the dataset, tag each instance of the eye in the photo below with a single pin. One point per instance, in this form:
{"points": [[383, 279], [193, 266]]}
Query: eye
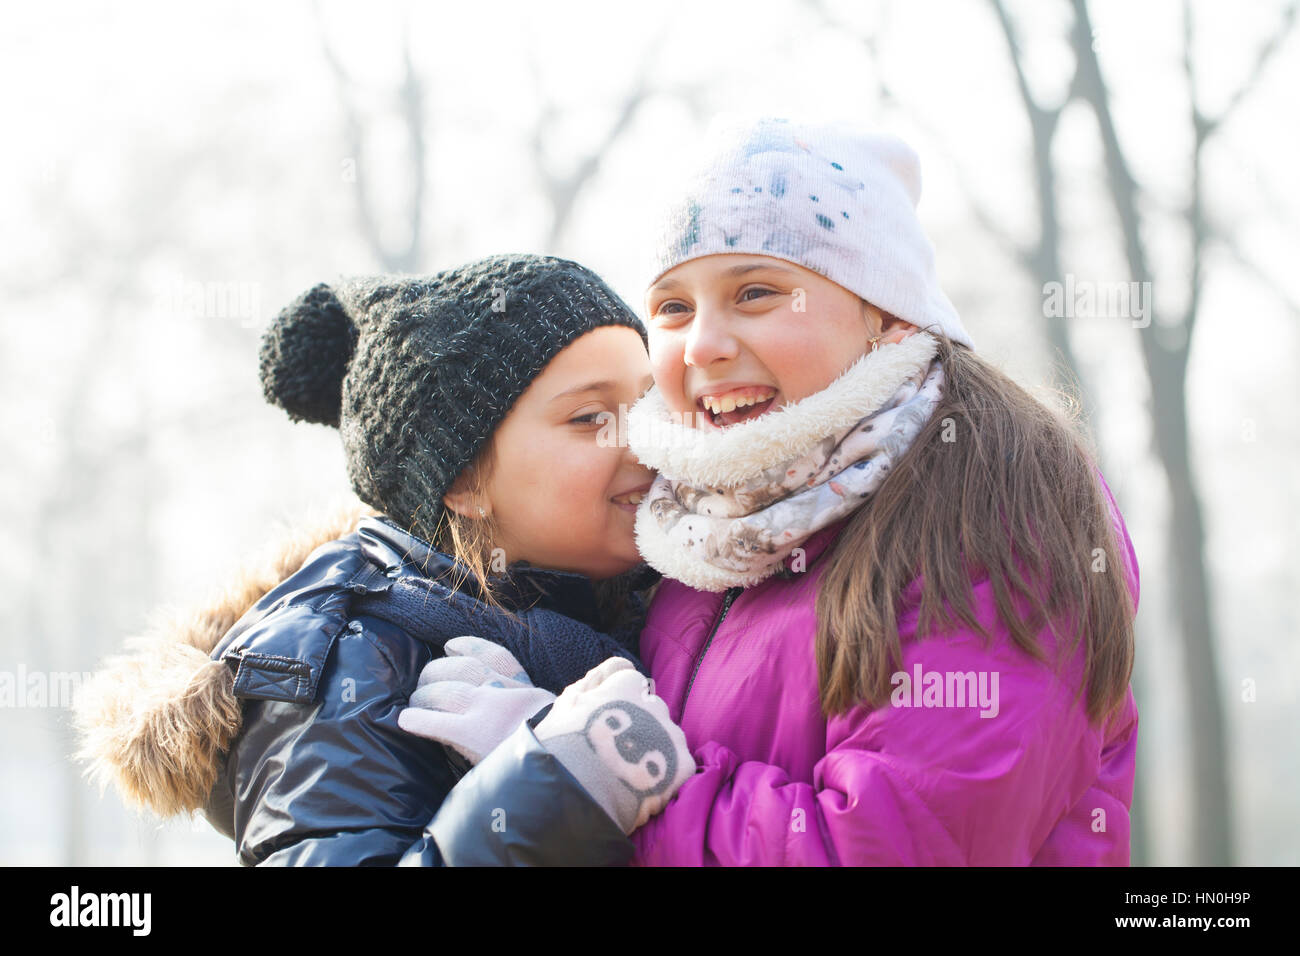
{"points": [[761, 290], [672, 307], [591, 419]]}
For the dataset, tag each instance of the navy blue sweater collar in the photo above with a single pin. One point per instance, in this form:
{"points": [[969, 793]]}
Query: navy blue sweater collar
{"points": [[521, 586]]}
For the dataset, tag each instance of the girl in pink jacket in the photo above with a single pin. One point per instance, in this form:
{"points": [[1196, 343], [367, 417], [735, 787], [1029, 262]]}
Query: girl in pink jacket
{"points": [[896, 624]]}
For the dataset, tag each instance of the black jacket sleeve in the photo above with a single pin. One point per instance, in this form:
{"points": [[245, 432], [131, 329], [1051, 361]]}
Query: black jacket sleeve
{"points": [[337, 782], [520, 807]]}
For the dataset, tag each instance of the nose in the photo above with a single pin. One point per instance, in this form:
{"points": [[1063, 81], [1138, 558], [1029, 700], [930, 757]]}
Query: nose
{"points": [[709, 339]]}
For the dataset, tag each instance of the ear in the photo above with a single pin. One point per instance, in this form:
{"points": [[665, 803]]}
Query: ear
{"points": [[870, 315], [891, 328], [460, 499]]}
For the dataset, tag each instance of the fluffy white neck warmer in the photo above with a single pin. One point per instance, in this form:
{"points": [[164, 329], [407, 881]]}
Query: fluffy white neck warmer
{"points": [[730, 505]]}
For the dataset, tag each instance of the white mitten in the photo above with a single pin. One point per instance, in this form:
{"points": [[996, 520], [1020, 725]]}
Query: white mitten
{"points": [[472, 699], [616, 738]]}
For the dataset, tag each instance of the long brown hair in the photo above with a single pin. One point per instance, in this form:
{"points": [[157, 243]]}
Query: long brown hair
{"points": [[995, 483], [470, 541]]}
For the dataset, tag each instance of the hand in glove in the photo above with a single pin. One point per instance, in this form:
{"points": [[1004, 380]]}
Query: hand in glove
{"points": [[473, 698], [616, 738]]}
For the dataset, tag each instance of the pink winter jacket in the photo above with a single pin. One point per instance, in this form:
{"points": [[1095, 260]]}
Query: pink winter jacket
{"points": [[1030, 783]]}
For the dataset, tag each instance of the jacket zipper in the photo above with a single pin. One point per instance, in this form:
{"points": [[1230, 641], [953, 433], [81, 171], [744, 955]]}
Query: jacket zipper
{"points": [[726, 604]]}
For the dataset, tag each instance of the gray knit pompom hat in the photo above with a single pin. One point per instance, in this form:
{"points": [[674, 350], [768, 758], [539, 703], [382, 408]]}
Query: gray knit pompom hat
{"points": [[416, 372]]}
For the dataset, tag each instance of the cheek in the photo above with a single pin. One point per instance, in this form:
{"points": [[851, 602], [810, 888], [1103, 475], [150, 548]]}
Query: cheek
{"points": [[526, 475], [789, 348], [807, 352], [591, 485], [570, 481]]}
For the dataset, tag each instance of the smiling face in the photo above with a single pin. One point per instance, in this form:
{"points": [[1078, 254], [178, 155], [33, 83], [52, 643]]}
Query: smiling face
{"points": [[558, 495], [733, 337]]}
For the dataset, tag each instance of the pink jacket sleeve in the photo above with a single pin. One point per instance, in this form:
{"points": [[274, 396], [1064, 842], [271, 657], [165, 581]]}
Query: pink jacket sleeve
{"points": [[899, 785]]}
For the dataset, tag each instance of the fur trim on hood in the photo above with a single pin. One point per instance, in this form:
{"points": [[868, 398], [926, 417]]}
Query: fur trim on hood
{"points": [[156, 720]]}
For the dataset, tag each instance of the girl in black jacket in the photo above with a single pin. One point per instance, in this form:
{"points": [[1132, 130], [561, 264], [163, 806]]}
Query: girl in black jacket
{"points": [[476, 408]]}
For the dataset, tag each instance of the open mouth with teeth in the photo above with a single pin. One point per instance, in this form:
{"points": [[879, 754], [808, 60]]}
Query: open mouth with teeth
{"points": [[737, 405]]}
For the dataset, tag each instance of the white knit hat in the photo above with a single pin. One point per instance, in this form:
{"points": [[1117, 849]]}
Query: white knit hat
{"points": [[835, 198]]}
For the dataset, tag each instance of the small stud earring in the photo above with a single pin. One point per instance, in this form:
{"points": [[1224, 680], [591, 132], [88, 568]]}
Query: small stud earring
{"points": [[481, 512], [874, 346]]}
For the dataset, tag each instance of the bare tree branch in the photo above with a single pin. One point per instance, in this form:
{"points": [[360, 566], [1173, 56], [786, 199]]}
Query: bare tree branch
{"points": [[1230, 247], [562, 189], [1266, 55], [985, 218], [410, 104]]}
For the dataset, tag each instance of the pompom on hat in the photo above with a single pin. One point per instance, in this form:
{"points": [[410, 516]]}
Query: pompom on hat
{"points": [[836, 198], [416, 372]]}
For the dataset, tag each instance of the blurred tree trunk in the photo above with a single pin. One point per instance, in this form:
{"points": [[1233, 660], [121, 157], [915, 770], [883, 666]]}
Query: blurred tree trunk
{"points": [[65, 628], [1166, 345], [1043, 258], [1043, 261]]}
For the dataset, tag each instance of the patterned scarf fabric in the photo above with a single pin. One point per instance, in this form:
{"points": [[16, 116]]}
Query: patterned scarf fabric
{"points": [[731, 504]]}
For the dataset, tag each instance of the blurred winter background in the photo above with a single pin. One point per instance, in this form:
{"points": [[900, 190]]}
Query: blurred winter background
{"points": [[173, 174]]}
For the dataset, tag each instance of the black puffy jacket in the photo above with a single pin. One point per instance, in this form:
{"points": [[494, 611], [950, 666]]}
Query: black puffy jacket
{"points": [[318, 772]]}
